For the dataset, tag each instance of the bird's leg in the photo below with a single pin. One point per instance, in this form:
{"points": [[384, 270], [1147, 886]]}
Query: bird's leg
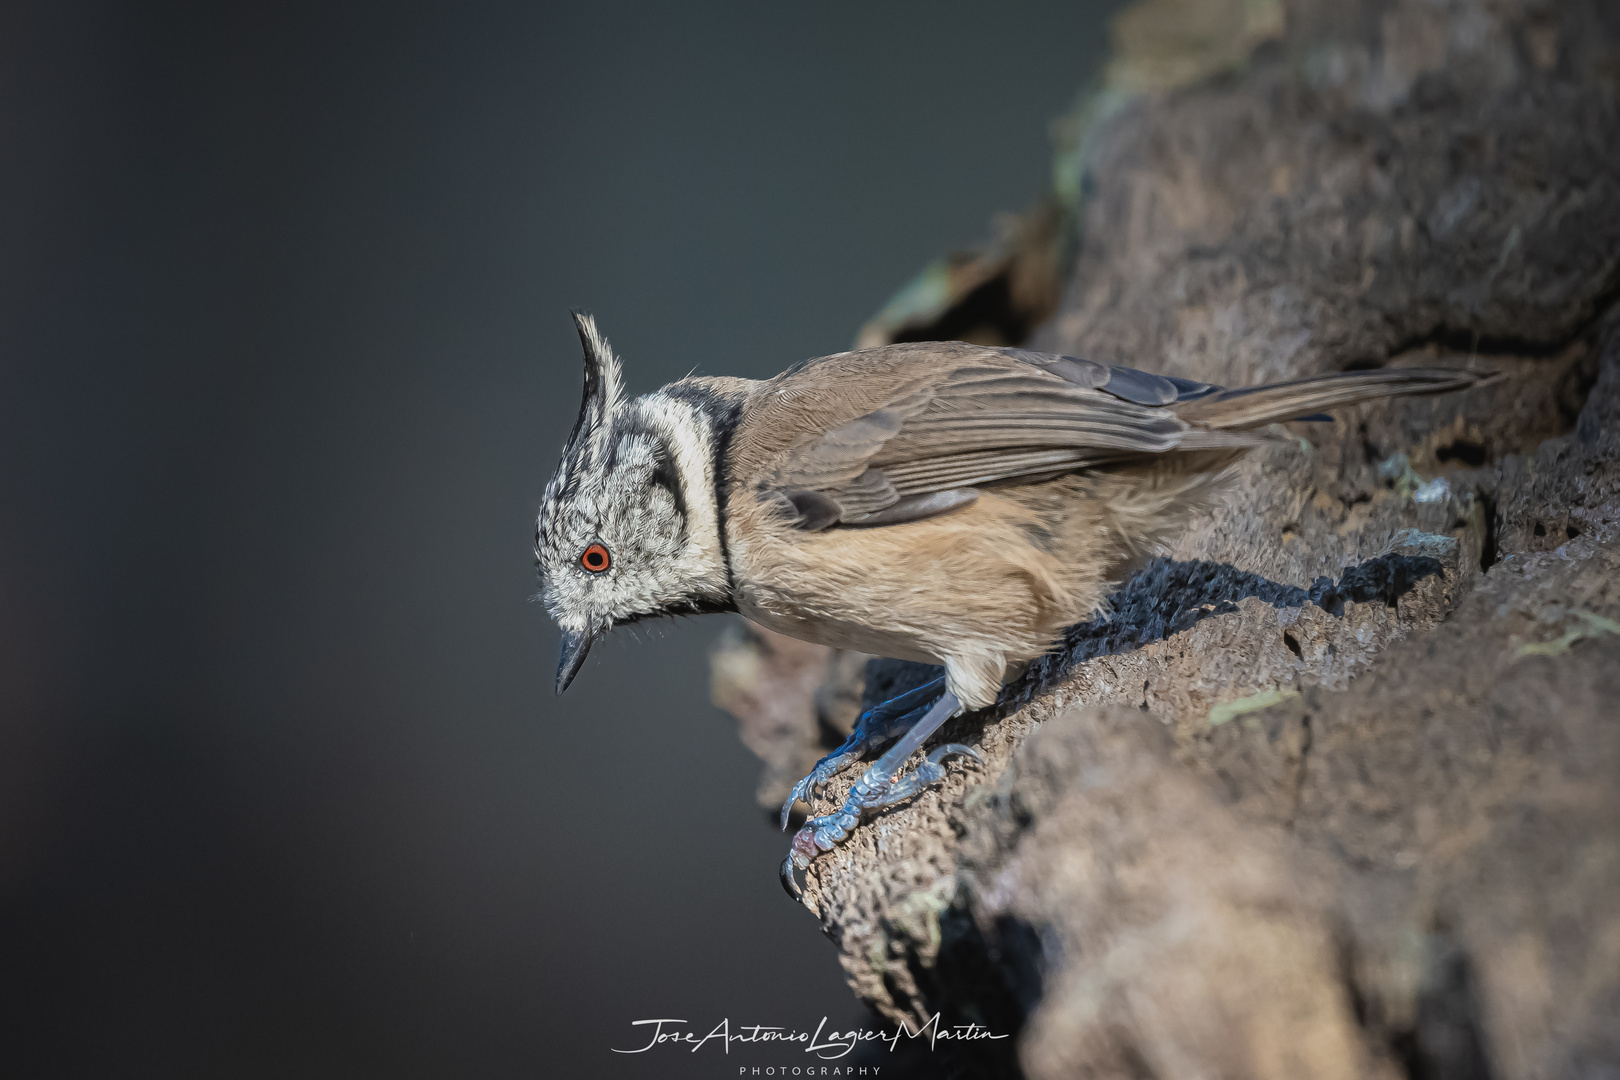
{"points": [[880, 785], [877, 724]]}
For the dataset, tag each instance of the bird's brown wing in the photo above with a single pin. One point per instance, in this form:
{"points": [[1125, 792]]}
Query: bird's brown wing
{"points": [[908, 431]]}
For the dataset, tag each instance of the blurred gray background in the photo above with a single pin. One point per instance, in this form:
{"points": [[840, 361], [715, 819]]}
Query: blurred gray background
{"points": [[285, 362]]}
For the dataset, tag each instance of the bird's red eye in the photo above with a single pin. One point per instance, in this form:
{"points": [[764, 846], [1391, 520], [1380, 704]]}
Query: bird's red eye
{"points": [[596, 559]]}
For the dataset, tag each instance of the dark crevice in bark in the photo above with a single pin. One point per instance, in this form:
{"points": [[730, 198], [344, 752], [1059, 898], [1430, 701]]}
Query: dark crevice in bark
{"points": [[986, 314], [1298, 799], [1445, 1043], [994, 981], [1525, 345], [1489, 553]]}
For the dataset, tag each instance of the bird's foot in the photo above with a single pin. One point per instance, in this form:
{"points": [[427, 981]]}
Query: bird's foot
{"points": [[881, 785], [871, 793], [877, 724]]}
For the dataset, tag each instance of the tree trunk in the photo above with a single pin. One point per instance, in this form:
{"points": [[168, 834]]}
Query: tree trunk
{"points": [[1335, 789]]}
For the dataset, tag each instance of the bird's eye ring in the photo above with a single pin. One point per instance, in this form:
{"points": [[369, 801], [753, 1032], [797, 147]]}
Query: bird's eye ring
{"points": [[596, 559]]}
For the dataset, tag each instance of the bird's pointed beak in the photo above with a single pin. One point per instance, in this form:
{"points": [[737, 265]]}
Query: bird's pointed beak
{"points": [[575, 647]]}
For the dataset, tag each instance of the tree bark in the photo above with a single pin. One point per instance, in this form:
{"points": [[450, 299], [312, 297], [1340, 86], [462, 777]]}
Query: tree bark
{"points": [[1335, 790]]}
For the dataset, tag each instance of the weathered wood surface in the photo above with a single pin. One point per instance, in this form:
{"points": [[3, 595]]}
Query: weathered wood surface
{"points": [[1238, 834]]}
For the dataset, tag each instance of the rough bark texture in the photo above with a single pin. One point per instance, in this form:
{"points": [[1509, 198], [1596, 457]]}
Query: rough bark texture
{"points": [[1335, 789]]}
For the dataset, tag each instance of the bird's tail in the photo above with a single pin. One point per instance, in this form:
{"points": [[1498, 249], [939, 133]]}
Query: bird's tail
{"points": [[1253, 406]]}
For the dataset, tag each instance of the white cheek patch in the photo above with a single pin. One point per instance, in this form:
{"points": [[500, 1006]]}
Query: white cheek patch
{"points": [[690, 443]]}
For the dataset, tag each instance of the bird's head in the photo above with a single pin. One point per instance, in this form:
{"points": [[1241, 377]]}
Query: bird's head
{"points": [[629, 526]]}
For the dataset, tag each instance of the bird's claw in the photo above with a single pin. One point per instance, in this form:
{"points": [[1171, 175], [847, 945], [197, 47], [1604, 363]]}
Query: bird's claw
{"points": [[872, 791], [877, 724], [811, 781]]}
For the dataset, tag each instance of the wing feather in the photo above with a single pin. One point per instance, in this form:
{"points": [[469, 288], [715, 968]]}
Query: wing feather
{"points": [[992, 415]]}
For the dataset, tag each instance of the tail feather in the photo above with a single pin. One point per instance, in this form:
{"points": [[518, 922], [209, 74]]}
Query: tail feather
{"points": [[1254, 406]]}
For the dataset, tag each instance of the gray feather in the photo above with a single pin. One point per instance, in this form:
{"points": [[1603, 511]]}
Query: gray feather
{"points": [[1086, 374], [868, 492], [1252, 406], [814, 510], [1140, 386], [918, 507]]}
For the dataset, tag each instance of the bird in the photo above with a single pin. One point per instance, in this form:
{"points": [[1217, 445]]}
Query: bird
{"points": [[945, 502]]}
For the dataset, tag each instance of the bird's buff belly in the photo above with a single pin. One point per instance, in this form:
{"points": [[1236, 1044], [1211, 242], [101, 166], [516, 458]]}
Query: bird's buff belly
{"points": [[839, 634]]}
